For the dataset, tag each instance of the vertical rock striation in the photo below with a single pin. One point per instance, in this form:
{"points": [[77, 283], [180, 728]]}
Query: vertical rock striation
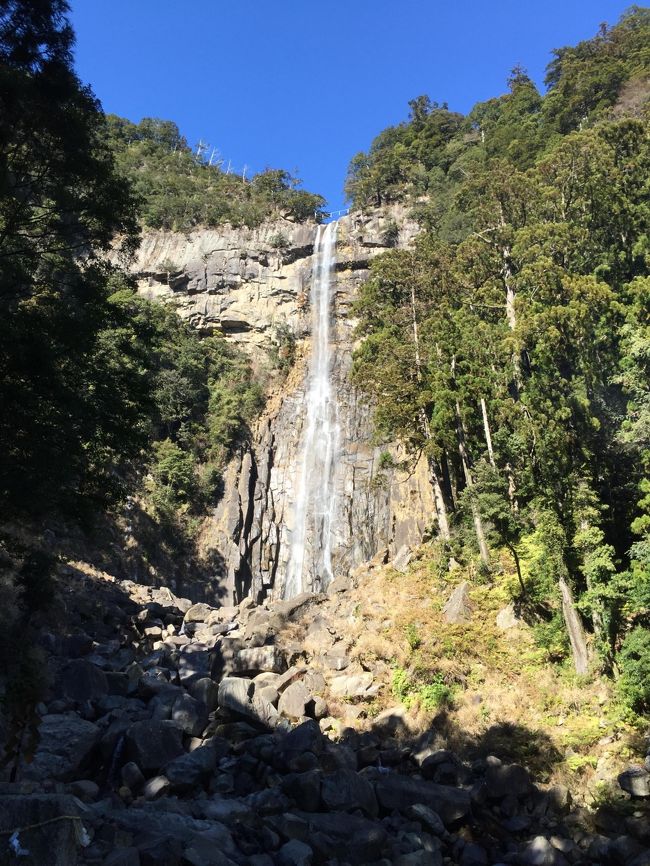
{"points": [[246, 284]]}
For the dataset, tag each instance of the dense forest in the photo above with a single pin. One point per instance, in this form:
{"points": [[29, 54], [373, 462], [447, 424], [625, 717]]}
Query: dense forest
{"points": [[104, 395], [178, 187], [512, 344]]}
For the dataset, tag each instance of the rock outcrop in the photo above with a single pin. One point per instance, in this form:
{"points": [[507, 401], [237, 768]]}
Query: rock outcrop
{"points": [[246, 284]]}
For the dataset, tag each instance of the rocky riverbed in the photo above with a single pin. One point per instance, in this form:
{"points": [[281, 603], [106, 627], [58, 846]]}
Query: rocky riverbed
{"points": [[187, 735]]}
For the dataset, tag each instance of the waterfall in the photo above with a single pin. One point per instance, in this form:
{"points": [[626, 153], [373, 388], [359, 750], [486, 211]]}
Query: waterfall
{"points": [[310, 558]]}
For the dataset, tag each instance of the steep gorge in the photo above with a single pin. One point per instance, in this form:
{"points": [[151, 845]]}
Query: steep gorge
{"points": [[248, 284]]}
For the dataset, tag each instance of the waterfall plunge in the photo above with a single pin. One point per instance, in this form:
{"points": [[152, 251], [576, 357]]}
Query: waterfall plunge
{"points": [[310, 558]]}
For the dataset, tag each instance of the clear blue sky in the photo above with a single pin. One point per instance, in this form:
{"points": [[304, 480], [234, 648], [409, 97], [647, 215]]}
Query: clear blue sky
{"points": [[304, 85]]}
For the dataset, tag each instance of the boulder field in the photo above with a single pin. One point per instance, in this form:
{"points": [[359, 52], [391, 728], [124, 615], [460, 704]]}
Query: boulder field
{"points": [[189, 735]]}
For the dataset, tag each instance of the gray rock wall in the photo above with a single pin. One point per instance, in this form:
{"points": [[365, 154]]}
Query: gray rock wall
{"points": [[238, 282]]}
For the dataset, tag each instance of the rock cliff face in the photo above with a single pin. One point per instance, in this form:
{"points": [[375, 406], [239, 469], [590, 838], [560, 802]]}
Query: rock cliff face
{"points": [[246, 284]]}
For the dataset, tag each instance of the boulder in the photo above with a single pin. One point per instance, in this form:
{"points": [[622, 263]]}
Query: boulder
{"points": [[294, 700], [430, 819], [540, 852], [304, 789], [190, 715], [67, 744], [402, 559], [191, 770], [294, 853], [507, 618], [349, 837], [153, 744], [458, 608], [85, 790], [355, 686], [156, 787], [396, 792], [132, 776], [122, 856], [83, 681], [299, 748], [503, 780], [234, 694], [259, 659], [198, 613], [346, 791], [206, 691], [299, 604], [419, 858], [636, 781]]}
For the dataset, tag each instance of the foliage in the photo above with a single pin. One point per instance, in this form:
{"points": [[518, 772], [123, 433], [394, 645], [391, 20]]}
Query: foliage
{"points": [[179, 189], [429, 696], [509, 346], [432, 153], [413, 636], [634, 664], [284, 347]]}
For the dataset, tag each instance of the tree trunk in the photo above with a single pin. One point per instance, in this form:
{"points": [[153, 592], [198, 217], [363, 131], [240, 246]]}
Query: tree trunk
{"points": [[574, 627], [511, 314], [476, 516], [488, 436], [439, 499], [515, 556]]}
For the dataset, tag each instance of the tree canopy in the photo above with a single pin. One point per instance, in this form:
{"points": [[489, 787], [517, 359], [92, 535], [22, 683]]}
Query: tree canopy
{"points": [[510, 345]]}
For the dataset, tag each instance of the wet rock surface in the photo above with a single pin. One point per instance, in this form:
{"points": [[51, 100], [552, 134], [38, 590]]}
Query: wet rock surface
{"points": [[234, 281], [147, 760]]}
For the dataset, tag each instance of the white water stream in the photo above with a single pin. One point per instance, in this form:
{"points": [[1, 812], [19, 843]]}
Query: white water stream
{"points": [[310, 558]]}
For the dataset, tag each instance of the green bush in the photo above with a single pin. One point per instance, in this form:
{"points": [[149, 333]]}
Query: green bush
{"points": [[435, 695], [634, 665], [413, 636]]}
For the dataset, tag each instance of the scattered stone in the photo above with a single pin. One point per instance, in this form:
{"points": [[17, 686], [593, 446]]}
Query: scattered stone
{"points": [[636, 781], [66, 747], [83, 681], [294, 700], [153, 744], [190, 715], [540, 852], [507, 618], [402, 559], [257, 659], [356, 686], [198, 613], [458, 608], [295, 853], [156, 787], [206, 691]]}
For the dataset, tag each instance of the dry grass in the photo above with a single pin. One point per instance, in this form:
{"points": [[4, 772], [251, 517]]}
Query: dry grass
{"points": [[507, 699]]}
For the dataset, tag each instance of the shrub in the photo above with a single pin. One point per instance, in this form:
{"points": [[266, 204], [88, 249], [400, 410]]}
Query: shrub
{"points": [[634, 665], [435, 695], [412, 636], [279, 241]]}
